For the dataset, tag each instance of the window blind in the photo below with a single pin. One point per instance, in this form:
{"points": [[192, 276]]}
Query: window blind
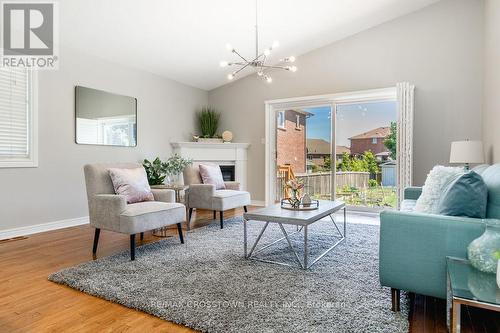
{"points": [[14, 113]]}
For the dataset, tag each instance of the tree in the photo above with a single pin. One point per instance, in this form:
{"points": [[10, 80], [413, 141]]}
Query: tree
{"points": [[371, 162], [345, 164], [390, 141], [328, 163]]}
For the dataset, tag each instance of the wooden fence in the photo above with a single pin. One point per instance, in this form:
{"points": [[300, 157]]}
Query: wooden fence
{"points": [[319, 183]]}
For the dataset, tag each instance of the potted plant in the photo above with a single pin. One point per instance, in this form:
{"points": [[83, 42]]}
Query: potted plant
{"points": [[208, 119], [174, 166], [295, 186], [155, 171]]}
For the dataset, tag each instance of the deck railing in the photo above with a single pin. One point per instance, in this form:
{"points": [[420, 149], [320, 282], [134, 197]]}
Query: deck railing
{"points": [[319, 183]]}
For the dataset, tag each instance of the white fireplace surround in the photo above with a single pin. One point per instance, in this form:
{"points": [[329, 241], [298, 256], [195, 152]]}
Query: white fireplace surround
{"points": [[217, 153]]}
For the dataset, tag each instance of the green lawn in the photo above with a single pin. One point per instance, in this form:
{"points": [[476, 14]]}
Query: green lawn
{"points": [[378, 196]]}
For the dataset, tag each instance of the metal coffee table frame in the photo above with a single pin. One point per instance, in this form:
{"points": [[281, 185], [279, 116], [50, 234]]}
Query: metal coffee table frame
{"points": [[304, 264]]}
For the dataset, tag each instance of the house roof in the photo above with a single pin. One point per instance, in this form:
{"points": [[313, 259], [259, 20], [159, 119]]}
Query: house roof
{"points": [[322, 147], [380, 132]]}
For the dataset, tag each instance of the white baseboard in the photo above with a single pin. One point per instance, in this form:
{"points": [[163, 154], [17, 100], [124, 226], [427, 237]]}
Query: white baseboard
{"points": [[258, 203], [34, 229]]}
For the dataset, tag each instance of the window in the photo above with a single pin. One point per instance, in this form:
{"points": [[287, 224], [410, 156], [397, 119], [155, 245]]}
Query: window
{"points": [[281, 119], [297, 122], [374, 141], [17, 118]]}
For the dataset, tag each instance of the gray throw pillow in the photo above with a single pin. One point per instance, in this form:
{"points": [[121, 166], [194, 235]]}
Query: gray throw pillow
{"points": [[467, 195]]}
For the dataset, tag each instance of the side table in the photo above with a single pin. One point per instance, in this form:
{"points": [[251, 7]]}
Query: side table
{"points": [[162, 232], [468, 286]]}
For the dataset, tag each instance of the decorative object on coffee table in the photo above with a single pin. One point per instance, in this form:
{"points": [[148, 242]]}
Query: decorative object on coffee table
{"points": [[174, 166], [481, 251], [312, 205], [295, 186]]}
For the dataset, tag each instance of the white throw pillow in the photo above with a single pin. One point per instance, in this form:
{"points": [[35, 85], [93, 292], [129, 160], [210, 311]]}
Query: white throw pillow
{"points": [[437, 180]]}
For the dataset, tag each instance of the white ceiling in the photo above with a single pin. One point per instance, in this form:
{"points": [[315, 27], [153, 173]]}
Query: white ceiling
{"points": [[185, 40]]}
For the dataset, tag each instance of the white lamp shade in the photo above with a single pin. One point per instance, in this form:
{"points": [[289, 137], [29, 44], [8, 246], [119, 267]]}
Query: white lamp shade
{"points": [[467, 152]]}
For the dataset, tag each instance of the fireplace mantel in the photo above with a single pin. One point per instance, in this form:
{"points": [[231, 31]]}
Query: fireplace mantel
{"points": [[217, 153]]}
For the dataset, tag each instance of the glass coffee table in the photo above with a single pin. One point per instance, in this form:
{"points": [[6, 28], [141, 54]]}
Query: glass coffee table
{"points": [[468, 286]]}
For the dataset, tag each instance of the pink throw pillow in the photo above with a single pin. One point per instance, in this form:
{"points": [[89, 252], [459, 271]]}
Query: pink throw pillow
{"points": [[132, 183], [211, 174]]}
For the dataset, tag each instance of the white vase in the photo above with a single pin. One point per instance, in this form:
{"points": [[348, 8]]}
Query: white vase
{"points": [[498, 274]]}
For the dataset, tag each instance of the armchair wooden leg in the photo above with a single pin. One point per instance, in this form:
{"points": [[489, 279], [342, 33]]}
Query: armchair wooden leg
{"points": [[215, 214], [132, 247], [96, 240], [142, 236], [221, 219], [179, 229], [395, 298], [245, 209]]}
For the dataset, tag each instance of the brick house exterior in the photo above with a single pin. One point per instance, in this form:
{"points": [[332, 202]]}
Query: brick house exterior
{"points": [[291, 139], [372, 140], [318, 150]]}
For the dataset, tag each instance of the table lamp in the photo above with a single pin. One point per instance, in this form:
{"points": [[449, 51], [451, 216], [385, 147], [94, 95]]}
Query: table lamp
{"points": [[466, 152]]}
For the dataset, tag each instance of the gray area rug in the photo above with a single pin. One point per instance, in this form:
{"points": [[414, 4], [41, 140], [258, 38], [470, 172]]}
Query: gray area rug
{"points": [[206, 284]]}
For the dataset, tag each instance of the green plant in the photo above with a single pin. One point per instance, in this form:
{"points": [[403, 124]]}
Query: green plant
{"points": [[176, 164], [155, 171], [390, 141], [372, 183], [209, 121]]}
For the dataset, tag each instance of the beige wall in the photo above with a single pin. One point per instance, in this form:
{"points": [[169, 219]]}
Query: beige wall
{"points": [[491, 111], [439, 49], [55, 190]]}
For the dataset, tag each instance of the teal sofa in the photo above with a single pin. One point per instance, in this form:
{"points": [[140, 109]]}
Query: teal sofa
{"points": [[414, 246]]}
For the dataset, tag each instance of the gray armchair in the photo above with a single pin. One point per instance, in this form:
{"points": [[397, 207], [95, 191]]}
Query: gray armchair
{"points": [[110, 211], [205, 196]]}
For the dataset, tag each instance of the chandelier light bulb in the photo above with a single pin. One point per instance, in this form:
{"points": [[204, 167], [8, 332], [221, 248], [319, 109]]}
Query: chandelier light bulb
{"points": [[276, 44], [293, 68], [269, 79], [267, 52], [224, 64], [260, 73], [229, 47], [291, 59], [230, 76]]}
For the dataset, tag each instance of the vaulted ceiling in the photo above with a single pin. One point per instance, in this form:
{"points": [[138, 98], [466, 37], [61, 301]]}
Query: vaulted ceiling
{"points": [[185, 40]]}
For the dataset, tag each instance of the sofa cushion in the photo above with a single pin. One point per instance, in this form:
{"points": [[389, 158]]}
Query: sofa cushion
{"points": [[144, 216], [491, 177], [211, 174], [229, 199], [437, 180], [467, 195], [131, 183], [407, 205]]}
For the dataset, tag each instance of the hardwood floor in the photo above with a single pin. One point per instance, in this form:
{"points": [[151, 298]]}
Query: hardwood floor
{"points": [[30, 303]]}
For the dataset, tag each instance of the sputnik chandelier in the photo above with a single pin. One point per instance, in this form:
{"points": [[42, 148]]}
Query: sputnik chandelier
{"points": [[259, 61]]}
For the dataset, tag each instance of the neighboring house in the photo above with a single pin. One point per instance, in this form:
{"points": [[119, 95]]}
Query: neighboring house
{"points": [[291, 139], [372, 140], [318, 150]]}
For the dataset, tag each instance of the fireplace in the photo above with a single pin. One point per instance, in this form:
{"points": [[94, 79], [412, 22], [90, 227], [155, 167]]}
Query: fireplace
{"points": [[228, 172]]}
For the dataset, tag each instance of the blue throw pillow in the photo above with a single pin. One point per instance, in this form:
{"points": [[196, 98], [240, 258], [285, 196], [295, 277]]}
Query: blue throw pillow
{"points": [[467, 195]]}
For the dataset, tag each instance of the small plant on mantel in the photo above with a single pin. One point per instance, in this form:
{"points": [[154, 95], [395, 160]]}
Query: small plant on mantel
{"points": [[209, 122]]}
